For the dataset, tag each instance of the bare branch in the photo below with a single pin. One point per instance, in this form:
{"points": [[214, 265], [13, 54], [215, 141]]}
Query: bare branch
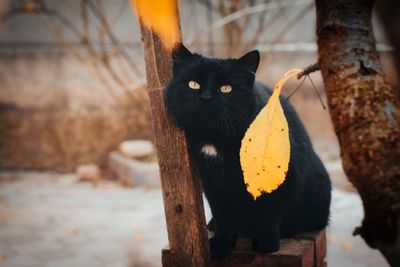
{"points": [[309, 69], [292, 23], [240, 14], [113, 39]]}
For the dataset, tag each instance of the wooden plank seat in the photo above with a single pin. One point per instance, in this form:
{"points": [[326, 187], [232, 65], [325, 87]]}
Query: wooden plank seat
{"points": [[306, 250]]}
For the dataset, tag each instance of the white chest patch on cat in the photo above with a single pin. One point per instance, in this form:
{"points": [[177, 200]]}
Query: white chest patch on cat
{"points": [[209, 150]]}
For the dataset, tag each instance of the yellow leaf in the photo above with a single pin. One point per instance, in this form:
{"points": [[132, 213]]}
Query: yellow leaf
{"points": [[161, 16], [265, 149]]}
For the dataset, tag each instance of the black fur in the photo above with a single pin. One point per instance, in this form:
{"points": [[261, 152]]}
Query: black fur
{"points": [[208, 116]]}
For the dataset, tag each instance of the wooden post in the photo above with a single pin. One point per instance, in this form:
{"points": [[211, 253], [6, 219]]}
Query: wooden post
{"points": [[182, 194]]}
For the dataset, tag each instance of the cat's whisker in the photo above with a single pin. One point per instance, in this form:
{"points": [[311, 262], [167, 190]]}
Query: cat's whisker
{"points": [[233, 125], [234, 118], [221, 121], [229, 130]]}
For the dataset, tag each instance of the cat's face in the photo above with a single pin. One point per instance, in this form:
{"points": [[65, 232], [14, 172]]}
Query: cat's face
{"points": [[211, 94]]}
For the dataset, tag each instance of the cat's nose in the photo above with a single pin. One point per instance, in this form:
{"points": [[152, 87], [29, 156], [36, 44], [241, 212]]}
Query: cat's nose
{"points": [[206, 95]]}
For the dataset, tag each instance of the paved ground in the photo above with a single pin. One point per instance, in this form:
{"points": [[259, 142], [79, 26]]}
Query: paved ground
{"points": [[51, 220]]}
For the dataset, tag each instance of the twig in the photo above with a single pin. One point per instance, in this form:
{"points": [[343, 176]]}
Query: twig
{"points": [[210, 35], [84, 19], [124, 68], [292, 23], [118, 14], [52, 27], [97, 61], [257, 32], [306, 74], [309, 69], [207, 5], [57, 33], [316, 91], [295, 90], [113, 39], [247, 19]]}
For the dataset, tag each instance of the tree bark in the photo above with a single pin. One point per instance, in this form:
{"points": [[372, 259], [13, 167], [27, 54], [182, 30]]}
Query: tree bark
{"points": [[366, 117], [182, 194]]}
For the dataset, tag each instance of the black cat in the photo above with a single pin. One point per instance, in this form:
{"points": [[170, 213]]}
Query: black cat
{"points": [[214, 101]]}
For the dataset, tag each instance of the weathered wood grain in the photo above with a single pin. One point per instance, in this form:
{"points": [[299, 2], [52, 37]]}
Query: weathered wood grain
{"points": [[182, 192], [306, 250], [319, 239]]}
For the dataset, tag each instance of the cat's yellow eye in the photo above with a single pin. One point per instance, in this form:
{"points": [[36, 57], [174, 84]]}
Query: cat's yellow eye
{"points": [[194, 85], [226, 88]]}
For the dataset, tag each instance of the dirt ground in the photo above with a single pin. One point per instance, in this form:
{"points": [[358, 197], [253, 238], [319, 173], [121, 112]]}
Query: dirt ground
{"points": [[47, 219]]}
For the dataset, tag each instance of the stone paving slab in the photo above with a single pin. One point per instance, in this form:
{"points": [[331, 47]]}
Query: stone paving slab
{"points": [[51, 220]]}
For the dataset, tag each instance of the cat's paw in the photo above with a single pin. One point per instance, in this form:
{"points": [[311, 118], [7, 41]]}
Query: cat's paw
{"points": [[220, 248], [265, 245]]}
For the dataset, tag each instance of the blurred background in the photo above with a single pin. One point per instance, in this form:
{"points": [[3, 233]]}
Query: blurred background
{"points": [[79, 183]]}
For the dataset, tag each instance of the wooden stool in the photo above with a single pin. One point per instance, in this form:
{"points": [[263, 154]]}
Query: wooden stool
{"points": [[307, 250]]}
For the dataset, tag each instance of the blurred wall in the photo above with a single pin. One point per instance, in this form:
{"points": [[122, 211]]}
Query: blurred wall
{"points": [[58, 110], [55, 114]]}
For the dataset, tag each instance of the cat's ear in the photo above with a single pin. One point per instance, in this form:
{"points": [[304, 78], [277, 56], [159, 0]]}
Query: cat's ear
{"points": [[180, 56], [180, 53], [250, 60]]}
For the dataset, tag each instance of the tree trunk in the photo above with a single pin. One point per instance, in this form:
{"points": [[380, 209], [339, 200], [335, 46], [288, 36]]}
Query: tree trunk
{"points": [[366, 117]]}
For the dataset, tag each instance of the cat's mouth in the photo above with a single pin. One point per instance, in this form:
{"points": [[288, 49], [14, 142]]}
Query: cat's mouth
{"points": [[204, 116], [210, 112]]}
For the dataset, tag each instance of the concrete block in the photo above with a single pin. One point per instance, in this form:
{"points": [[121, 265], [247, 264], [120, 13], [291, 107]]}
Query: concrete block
{"points": [[132, 172], [136, 149]]}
